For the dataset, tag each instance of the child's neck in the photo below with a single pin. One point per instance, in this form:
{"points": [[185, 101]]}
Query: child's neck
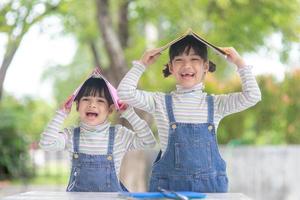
{"points": [[198, 87], [92, 128]]}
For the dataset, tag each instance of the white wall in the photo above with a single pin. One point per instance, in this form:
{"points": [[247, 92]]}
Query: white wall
{"points": [[271, 172]]}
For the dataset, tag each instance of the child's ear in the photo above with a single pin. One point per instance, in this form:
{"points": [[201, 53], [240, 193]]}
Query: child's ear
{"points": [[206, 66], [170, 66], [111, 108], [77, 105]]}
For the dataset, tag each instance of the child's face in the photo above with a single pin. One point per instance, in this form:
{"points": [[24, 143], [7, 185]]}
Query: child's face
{"points": [[188, 69], [93, 110]]}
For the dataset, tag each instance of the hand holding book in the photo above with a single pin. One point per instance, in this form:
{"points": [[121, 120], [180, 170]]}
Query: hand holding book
{"points": [[150, 56], [234, 57], [67, 105], [96, 73]]}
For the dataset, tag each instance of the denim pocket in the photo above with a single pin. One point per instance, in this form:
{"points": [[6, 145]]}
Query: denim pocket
{"points": [[177, 156], [203, 157], [94, 180]]}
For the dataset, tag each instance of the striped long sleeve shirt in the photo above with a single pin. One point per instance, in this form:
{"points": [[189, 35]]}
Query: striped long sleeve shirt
{"points": [[189, 105], [94, 140]]}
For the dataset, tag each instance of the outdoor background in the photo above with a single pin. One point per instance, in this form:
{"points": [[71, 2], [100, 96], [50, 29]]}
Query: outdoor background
{"points": [[48, 47]]}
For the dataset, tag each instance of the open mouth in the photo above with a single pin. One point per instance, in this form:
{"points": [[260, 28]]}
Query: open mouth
{"points": [[187, 75], [91, 114]]}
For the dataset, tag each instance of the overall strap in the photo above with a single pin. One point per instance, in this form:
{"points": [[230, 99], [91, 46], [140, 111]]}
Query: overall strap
{"points": [[76, 138], [111, 141], [210, 109], [169, 104]]}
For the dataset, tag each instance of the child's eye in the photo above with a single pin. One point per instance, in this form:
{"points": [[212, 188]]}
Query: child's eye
{"points": [[178, 60], [84, 99], [101, 100]]}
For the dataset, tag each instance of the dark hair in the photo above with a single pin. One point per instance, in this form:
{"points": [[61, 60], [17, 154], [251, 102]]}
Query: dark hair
{"points": [[94, 87], [184, 46]]}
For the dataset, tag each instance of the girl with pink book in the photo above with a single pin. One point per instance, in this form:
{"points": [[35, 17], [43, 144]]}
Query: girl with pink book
{"points": [[96, 147]]}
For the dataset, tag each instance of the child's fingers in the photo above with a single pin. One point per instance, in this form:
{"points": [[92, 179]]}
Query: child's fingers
{"points": [[69, 99], [68, 103], [233, 56], [230, 51], [153, 52], [150, 56], [153, 56], [157, 50], [227, 50], [122, 106]]}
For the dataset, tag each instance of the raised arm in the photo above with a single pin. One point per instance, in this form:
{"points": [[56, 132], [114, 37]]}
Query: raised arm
{"points": [[52, 139], [250, 94], [141, 137], [127, 90]]}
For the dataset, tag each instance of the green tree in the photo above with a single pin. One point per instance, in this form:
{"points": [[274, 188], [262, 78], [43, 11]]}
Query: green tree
{"points": [[21, 123], [16, 18], [290, 100], [274, 120], [14, 144]]}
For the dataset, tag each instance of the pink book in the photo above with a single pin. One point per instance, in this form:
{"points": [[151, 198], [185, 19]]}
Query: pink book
{"points": [[97, 74]]}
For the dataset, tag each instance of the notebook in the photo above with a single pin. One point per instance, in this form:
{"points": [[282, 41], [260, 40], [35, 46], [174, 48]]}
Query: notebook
{"points": [[198, 37], [157, 195]]}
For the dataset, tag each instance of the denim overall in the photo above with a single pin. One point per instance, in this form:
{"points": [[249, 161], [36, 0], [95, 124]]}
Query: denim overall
{"points": [[192, 161], [93, 173]]}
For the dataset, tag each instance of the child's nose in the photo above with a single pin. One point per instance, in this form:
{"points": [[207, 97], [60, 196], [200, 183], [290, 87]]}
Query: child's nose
{"points": [[187, 64], [92, 104]]}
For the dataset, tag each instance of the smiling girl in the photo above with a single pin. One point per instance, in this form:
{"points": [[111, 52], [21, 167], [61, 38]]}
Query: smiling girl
{"points": [[96, 147], [187, 118]]}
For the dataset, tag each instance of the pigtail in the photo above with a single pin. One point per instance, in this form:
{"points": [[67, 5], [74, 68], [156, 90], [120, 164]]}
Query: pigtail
{"points": [[166, 71], [212, 66]]}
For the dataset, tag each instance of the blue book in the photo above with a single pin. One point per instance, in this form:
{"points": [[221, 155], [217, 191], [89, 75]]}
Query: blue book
{"points": [[156, 195]]}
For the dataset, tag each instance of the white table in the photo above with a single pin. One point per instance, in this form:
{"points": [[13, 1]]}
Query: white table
{"points": [[40, 195]]}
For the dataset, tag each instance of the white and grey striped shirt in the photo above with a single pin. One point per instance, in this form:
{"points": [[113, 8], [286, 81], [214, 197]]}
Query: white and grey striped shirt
{"points": [[189, 105], [94, 140]]}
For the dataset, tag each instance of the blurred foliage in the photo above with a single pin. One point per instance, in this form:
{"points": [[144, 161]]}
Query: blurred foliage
{"points": [[54, 173], [16, 18], [20, 124], [274, 120]]}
